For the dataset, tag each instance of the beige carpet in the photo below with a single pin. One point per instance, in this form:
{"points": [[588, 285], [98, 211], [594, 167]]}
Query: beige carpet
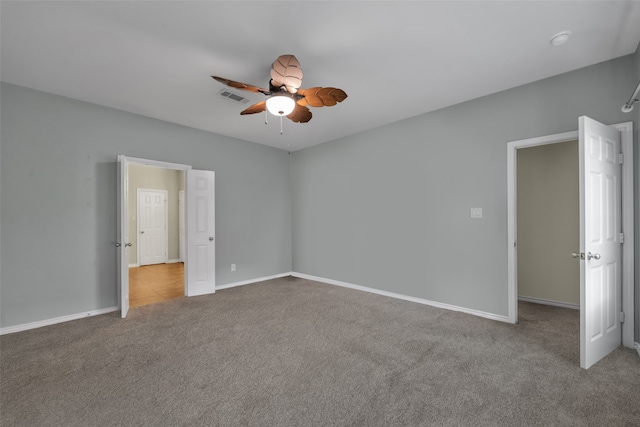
{"points": [[291, 352]]}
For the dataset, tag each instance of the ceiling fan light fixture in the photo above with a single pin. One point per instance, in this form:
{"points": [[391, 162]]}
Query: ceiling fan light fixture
{"points": [[285, 97], [280, 105]]}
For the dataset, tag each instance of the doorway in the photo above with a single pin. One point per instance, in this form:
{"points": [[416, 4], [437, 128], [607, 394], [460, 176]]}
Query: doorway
{"points": [[156, 270], [624, 135], [199, 220], [548, 224], [164, 213]]}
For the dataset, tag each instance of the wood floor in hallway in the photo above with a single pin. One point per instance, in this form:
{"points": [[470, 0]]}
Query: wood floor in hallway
{"points": [[154, 283]]}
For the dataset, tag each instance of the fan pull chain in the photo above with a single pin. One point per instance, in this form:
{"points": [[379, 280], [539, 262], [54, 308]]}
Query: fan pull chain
{"points": [[266, 117], [280, 125]]}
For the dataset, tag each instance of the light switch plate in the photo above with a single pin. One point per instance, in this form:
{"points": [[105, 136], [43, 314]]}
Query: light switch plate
{"points": [[476, 212]]}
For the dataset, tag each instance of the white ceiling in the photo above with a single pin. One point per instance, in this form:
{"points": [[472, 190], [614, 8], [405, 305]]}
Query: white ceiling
{"points": [[394, 59]]}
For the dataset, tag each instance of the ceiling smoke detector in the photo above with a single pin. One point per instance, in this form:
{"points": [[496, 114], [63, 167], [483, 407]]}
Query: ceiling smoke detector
{"points": [[560, 38]]}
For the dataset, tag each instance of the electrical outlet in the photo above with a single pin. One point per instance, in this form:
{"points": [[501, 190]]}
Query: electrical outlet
{"points": [[233, 267], [476, 212]]}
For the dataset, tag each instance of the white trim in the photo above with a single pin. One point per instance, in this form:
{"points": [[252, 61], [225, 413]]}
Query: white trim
{"points": [[628, 270], [637, 346], [626, 133], [122, 226], [181, 226], [48, 322], [156, 163], [404, 297], [549, 302], [169, 261], [61, 319], [248, 282]]}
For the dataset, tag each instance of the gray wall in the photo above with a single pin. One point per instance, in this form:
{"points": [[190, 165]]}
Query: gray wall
{"points": [[58, 178], [389, 208], [637, 194], [548, 222]]}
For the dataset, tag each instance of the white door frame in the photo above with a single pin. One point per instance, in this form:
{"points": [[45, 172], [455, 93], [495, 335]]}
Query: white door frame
{"points": [[626, 133], [166, 222], [122, 239], [181, 225]]}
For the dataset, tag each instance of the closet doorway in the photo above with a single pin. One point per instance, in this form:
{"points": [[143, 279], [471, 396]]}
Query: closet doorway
{"points": [[548, 222], [606, 232]]}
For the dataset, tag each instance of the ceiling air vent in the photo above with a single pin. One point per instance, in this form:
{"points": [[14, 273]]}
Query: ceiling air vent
{"points": [[233, 96]]}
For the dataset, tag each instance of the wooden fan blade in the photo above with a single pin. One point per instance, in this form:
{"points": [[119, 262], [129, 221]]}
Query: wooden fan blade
{"points": [[323, 96], [286, 71], [242, 86], [300, 114], [255, 108]]}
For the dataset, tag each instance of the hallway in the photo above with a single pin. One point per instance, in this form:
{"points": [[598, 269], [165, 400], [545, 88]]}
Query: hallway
{"points": [[150, 284]]}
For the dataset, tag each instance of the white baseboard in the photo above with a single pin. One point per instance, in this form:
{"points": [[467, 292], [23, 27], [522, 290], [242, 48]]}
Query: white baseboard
{"points": [[247, 282], [47, 322], [169, 261], [550, 302], [404, 297], [637, 346]]}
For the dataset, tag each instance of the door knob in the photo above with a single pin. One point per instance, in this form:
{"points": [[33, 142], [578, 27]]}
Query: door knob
{"points": [[118, 244], [594, 256], [129, 244], [579, 255], [210, 238]]}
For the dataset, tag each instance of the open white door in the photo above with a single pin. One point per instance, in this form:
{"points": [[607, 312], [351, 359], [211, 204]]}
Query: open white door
{"points": [[123, 235], [600, 240], [201, 269]]}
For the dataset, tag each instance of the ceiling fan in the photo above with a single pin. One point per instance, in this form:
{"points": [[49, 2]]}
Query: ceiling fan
{"points": [[285, 97]]}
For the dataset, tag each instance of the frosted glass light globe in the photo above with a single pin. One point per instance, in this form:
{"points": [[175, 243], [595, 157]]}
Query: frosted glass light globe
{"points": [[280, 105]]}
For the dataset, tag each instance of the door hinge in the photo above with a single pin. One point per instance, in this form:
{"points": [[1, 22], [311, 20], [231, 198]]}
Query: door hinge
{"points": [[621, 158], [622, 317], [621, 237]]}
